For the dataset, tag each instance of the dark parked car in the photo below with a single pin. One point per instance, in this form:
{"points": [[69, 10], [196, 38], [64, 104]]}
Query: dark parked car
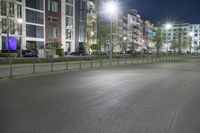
{"points": [[80, 53], [29, 53]]}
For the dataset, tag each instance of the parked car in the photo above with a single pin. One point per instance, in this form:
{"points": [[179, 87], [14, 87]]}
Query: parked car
{"points": [[30, 53], [80, 53]]}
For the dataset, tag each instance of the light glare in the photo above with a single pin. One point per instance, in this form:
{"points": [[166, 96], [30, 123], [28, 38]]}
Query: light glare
{"points": [[168, 26]]}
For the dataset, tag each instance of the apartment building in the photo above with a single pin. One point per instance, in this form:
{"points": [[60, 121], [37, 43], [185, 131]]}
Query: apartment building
{"points": [[22, 25], [53, 24], [195, 36], [43, 24], [81, 21], [68, 25], [149, 31], [11, 30], [118, 35], [91, 25], [132, 30], [184, 35]]}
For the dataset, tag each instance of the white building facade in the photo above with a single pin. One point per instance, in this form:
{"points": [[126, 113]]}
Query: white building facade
{"points": [[30, 32], [184, 34]]}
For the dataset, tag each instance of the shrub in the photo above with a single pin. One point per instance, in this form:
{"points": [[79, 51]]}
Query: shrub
{"points": [[60, 51], [8, 54]]}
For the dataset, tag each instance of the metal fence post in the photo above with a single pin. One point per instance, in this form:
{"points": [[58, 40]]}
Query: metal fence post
{"points": [[11, 68], [101, 62], [132, 59], [34, 60], [125, 60], [118, 60], [52, 64], [67, 65], [142, 58], [80, 65], [91, 64]]}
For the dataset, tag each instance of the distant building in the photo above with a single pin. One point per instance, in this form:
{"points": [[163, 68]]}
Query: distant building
{"points": [[81, 23], [149, 32], [68, 25], [195, 39], [29, 34], [118, 33], [46, 23], [180, 34], [91, 24], [53, 23], [132, 30]]}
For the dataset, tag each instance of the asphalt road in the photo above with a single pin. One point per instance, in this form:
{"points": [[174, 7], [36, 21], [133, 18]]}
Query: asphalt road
{"points": [[149, 98]]}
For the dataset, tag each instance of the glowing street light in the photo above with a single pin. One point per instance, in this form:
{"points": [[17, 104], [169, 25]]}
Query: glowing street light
{"points": [[20, 21], [191, 34], [111, 8], [168, 26]]}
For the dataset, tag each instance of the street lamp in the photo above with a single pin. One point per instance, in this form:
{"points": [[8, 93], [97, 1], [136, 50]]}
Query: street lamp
{"points": [[111, 8], [124, 47], [191, 34], [168, 26], [20, 21]]}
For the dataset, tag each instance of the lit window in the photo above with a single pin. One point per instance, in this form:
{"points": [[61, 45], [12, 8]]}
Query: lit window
{"points": [[52, 6]]}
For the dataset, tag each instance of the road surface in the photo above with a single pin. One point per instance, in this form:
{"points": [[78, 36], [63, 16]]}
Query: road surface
{"points": [[145, 98]]}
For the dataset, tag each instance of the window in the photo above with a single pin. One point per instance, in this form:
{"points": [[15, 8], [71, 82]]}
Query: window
{"points": [[69, 22], [19, 11], [11, 10], [52, 32], [33, 45], [34, 17], [69, 1], [34, 31], [69, 34], [69, 10], [82, 4], [52, 19], [52, 6], [37, 4], [4, 25], [3, 8]]}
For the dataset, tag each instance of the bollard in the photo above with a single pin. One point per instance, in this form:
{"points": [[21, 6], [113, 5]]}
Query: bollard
{"points": [[137, 59], [11, 68]]}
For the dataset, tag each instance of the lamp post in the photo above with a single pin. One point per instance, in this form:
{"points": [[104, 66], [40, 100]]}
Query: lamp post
{"points": [[191, 34], [20, 21], [111, 8], [124, 39], [168, 26]]}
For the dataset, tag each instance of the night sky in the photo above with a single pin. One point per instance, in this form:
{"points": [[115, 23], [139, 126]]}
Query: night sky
{"points": [[166, 10]]}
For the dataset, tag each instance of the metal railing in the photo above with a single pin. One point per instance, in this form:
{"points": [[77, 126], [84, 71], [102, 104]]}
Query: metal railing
{"points": [[11, 67]]}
